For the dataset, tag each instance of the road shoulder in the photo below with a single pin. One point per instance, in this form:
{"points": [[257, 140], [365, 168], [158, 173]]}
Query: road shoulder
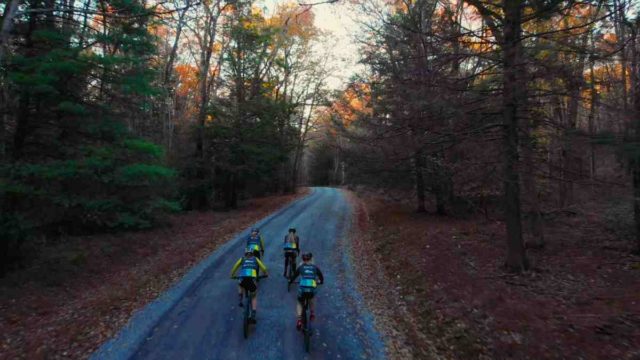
{"points": [[389, 308]]}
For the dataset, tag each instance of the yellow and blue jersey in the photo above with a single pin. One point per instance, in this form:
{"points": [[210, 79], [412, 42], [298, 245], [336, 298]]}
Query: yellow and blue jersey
{"points": [[289, 245], [248, 267], [255, 244], [309, 275]]}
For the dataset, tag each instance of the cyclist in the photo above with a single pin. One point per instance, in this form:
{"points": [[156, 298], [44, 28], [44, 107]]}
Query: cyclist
{"points": [[291, 249], [310, 276], [256, 243], [249, 266]]}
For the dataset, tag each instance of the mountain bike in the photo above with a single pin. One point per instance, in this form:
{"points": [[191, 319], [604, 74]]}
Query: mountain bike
{"points": [[247, 320], [307, 330]]}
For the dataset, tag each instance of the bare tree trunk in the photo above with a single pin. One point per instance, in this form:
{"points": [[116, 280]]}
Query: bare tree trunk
{"points": [[4, 117], [575, 84], [168, 68], [444, 184], [593, 108], [203, 90], [531, 194], [7, 26], [619, 25], [635, 78], [418, 163], [168, 103], [513, 96], [85, 19], [23, 126]]}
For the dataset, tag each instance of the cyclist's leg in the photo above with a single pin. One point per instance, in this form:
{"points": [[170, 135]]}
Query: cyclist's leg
{"points": [[312, 301], [241, 291], [299, 303], [253, 291], [254, 300], [286, 262]]}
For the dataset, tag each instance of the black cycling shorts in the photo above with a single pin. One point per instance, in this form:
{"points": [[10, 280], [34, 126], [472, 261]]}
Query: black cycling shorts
{"points": [[306, 293], [249, 284]]}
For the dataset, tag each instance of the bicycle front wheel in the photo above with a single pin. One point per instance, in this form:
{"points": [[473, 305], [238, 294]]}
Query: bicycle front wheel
{"points": [[247, 313], [306, 328], [307, 340]]}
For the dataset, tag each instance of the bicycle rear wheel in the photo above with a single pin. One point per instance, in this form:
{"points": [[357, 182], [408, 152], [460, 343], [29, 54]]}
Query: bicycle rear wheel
{"points": [[289, 276], [306, 327], [247, 313]]}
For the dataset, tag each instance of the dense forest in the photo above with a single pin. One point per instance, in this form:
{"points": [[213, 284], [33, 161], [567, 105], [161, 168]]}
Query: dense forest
{"points": [[530, 108], [487, 155], [115, 112]]}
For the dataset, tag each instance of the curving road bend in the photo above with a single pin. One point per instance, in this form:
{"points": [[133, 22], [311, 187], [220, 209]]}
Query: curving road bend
{"points": [[206, 323]]}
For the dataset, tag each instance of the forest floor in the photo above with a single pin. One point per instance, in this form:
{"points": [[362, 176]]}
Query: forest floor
{"points": [[78, 293], [449, 296]]}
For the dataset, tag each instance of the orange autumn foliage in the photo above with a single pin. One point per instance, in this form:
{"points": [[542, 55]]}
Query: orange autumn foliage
{"points": [[354, 102], [296, 20], [187, 79]]}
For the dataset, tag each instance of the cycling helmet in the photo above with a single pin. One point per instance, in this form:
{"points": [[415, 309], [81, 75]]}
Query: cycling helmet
{"points": [[255, 230], [293, 230], [248, 251], [307, 256]]}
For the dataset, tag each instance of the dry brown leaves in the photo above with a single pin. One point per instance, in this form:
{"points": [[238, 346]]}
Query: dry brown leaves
{"points": [[450, 297], [389, 306], [54, 314]]}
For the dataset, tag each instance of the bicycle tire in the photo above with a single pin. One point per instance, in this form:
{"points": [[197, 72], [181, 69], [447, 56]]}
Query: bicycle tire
{"points": [[306, 327], [290, 275], [247, 310]]}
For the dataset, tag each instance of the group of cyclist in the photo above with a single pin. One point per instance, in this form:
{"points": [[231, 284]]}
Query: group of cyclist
{"points": [[247, 270]]}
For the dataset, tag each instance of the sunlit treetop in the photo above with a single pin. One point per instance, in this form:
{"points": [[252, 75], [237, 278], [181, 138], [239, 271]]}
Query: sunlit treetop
{"points": [[354, 103], [187, 79], [297, 20]]}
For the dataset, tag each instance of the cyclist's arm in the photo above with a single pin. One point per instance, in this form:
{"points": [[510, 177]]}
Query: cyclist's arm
{"points": [[235, 267], [262, 267], [262, 243], [320, 276], [298, 244]]}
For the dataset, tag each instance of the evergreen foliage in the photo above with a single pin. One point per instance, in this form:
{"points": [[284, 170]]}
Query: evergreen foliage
{"points": [[72, 165]]}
